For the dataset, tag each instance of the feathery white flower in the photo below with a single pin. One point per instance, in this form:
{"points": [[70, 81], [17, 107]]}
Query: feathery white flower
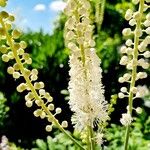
{"points": [[85, 87]]}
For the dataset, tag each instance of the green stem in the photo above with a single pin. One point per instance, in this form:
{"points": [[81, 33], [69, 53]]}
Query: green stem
{"points": [[99, 15], [134, 72], [28, 81], [90, 141]]}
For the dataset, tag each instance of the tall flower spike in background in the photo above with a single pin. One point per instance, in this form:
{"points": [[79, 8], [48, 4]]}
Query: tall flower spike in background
{"points": [[13, 49], [85, 87], [135, 58]]}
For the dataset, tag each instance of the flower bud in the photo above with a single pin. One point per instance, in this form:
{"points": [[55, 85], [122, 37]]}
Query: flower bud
{"points": [[138, 32], [137, 15], [4, 14], [11, 18], [134, 90], [10, 70], [51, 107], [146, 23], [126, 32], [58, 110], [123, 49], [3, 49], [129, 42], [5, 58], [124, 60], [16, 34], [48, 128], [146, 54], [23, 44], [135, 2], [138, 110], [42, 92], [121, 95], [123, 89], [64, 124], [127, 76], [29, 103], [147, 30], [70, 35], [128, 14], [148, 16], [132, 22], [121, 80], [16, 75], [43, 115], [2, 3]]}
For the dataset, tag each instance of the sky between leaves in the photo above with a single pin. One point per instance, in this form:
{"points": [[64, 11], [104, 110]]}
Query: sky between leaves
{"points": [[35, 14]]}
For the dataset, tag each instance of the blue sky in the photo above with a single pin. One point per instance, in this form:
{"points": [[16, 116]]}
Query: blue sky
{"points": [[35, 14]]}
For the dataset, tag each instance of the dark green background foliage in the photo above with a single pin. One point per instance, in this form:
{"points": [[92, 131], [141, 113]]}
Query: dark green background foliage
{"points": [[50, 57]]}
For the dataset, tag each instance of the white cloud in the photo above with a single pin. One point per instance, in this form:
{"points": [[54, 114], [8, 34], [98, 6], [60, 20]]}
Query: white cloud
{"points": [[40, 7], [57, 5]]}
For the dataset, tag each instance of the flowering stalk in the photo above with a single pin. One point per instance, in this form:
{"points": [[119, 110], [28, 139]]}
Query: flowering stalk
{"points": [[135, 51], [86, 91], [99, 14], [36, 92]]}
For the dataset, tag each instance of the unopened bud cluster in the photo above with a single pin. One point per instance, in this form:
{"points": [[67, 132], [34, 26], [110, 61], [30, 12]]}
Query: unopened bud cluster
{"points": [[14, 50], [135, 51]]}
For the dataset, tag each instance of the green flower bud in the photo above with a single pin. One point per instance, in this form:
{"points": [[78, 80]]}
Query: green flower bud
{"points": [[3, 49], [4, 14], [2, 3], [11, 18], [16, 34]]}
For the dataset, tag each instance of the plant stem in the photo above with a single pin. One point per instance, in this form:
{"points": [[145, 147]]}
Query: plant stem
{"points": [[99, 15], [90, 141], [28, 81], [134, 72]]}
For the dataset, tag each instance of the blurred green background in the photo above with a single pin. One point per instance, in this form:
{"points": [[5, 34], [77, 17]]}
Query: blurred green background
{"points": [[50, 57]]}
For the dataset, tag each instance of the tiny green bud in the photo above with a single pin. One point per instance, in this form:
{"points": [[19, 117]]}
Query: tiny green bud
{"points": [[51, 107], [58, 110], [2, 31], [48, 128], [121, 95], [5, 58], [3, 49], [138, 110], [16, 34], [2, 3], [16, 66], [16, 75], [64, 124], [8, 26], [16, 46], [4, 14], [10, 70], [11, 18], [29, 103], [23, 44], [126, 32], [43, 115]]}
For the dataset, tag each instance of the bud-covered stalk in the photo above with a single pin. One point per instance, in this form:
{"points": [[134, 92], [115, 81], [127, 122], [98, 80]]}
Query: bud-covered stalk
{"points": [[136, 55]]}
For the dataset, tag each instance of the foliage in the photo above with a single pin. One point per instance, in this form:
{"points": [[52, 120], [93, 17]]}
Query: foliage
{"points": [[115, 136], [60, 141], [3, 110]]}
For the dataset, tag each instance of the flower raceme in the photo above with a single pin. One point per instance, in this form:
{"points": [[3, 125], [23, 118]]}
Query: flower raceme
{"points": [[135, 50], [14, 50], [85, 87], [135, 58]]}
